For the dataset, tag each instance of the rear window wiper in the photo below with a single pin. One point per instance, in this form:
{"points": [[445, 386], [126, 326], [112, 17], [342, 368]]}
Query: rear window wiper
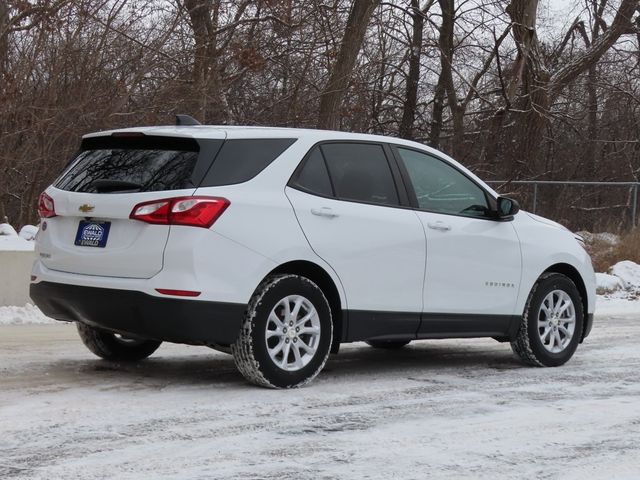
{"points": [[106, 185]]}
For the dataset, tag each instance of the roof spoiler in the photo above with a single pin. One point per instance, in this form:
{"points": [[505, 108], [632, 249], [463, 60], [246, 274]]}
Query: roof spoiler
{"points": [[184, 120]]}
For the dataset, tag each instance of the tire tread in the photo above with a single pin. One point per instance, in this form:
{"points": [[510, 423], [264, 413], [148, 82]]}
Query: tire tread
{"points": [[98, 342], [242, 349], [521, 346]]}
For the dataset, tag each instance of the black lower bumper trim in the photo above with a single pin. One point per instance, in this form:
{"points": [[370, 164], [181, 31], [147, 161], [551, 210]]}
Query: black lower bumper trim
{"points": [[588, 325], [136, 313]]}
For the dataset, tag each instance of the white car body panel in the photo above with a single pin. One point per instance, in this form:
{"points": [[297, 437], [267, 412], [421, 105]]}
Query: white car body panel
{"points": [[380, 259], [385, 250], [473, 265], [197, 259], [261, 220], [134, 250], [545, 244]]}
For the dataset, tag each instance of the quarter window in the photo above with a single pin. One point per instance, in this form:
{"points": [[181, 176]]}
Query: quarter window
{"points": [[441, 188], [314, 176], [239, 160]]}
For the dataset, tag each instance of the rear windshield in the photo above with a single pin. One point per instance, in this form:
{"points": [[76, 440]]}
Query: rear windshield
{"points": [[148, 163], [109, 165]]}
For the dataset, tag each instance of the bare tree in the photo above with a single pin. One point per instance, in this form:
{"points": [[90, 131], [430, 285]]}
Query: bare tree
{"points": [[458, 95], [333, 92], [470, 77], [4, 36], [533, 88], [418, 14]]}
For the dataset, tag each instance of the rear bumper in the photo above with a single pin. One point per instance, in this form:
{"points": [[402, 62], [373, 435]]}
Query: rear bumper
{"points": [[136, 313]]}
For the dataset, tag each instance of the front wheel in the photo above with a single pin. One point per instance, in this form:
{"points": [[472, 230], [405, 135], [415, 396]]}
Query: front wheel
{"points": [[286, 335], [112, 346], [552, 322]]}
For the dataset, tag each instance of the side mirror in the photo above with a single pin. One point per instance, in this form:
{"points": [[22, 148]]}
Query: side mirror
{"points": [[507, 207]]}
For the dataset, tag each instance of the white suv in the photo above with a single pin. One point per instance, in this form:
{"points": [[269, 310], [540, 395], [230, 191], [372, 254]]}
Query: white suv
{"points": [[279, 244]]}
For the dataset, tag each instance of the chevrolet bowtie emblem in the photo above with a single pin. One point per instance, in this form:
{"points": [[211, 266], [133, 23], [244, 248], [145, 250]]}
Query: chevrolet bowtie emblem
{"points": [[86, 208]]}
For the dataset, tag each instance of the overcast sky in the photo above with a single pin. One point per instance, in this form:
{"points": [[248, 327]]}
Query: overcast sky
{"points": [[558, 15]]}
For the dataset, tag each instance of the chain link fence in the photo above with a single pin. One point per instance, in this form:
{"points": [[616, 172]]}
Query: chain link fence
{"points": [[590, 206]]}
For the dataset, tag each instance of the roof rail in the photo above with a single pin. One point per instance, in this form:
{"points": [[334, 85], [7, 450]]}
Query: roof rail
{"points": [[186, 120]]}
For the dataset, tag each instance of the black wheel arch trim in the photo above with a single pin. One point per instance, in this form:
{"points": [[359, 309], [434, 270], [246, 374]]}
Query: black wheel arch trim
{"points": [[573, 274]]}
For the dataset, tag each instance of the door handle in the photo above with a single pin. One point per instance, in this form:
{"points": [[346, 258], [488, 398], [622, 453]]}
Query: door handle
{"points": [[324, 212], [441, 226]]}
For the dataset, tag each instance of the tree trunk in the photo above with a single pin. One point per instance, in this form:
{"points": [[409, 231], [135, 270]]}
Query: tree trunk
{"points": [[206, 78], [333, 93], [437, 114], [622, 24], [527, 88], [446, 85], [590, 154], [4, 37], [411, 96], [533, 89], [448, 8]]}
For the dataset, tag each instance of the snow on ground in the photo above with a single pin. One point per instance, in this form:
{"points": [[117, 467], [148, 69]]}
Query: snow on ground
{"points": [[611, 305], [15, 243], [10, 240], [27, 315], [436, 409]]}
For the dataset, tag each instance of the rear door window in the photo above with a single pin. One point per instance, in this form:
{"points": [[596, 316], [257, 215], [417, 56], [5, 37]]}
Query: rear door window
{"points": [[360, 172]]}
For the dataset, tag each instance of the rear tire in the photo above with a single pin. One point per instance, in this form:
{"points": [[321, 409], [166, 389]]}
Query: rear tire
{"points": [[388, 344], [286, 335], [113, 347], [552, 322]]}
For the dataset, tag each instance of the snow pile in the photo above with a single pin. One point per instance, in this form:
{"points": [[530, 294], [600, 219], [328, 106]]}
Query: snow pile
{"points": [[619, 290], [28, 314], [622, 281], [10, 240], [28, 232], [7, 230], [629, 273], [608, 283]]}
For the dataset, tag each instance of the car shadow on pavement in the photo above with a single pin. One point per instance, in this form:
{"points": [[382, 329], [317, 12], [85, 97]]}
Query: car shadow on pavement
{"points": [[423, 357], [353, 361]]}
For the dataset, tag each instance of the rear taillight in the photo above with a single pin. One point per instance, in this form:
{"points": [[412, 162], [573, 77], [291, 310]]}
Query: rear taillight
{"points": [[46, 207], [189, 211]]}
